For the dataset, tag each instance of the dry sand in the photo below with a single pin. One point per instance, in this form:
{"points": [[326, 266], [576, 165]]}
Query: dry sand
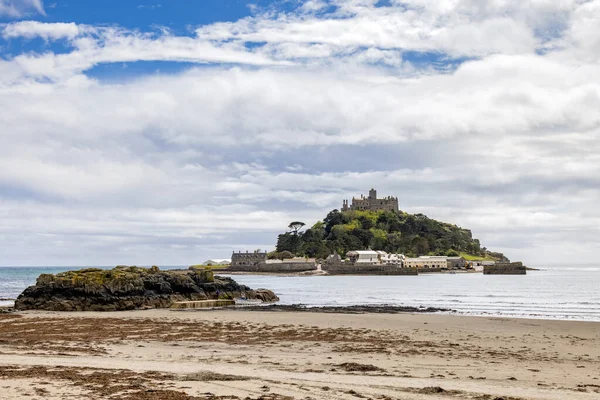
{"points": [[167, 354]]}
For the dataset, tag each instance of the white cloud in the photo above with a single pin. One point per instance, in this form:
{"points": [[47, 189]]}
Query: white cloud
{"points": [[366, 35], [195, 164], [149, 6], [93, 46], [47, 31], [20, 8], [581, 39], [458, 28]]}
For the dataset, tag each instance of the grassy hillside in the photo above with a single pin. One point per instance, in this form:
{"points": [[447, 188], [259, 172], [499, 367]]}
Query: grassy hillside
{"points": [[391, 231], [471, 257]]}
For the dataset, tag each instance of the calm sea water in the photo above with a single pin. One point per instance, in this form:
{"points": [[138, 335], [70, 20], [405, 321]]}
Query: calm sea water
{"points": [[556, 292]]}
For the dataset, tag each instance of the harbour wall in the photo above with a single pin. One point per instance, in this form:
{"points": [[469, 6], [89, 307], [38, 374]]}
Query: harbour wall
{"points": [[425, 270], [367, 269], [513, 268], [275, 267]]}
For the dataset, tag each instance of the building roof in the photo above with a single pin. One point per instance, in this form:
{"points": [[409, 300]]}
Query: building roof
{"points": [[368, 252]]}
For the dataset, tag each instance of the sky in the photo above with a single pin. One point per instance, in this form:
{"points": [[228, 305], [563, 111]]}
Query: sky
{"points": [[170, 132]]}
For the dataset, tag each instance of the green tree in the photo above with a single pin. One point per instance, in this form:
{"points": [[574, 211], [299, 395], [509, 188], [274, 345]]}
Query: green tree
{"points": [[394, 242], [364, 237], [288, 242], [332, 219], [365, 222], [296, 226], [380, 239], [420, 246]]}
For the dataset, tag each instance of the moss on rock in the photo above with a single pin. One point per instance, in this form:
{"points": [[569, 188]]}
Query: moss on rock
{"points": [[128, 287]]}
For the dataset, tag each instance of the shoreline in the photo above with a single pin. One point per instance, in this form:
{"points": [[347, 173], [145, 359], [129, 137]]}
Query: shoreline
{"points": [[326, 273], [352, 309], [347, 309], [284, 355]]}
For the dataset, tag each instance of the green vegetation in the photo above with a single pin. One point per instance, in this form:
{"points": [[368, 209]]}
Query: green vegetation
{"points": [[390, 231], [120, 275], [97, 276], [209, 266], [470, 257], [274, 255]]}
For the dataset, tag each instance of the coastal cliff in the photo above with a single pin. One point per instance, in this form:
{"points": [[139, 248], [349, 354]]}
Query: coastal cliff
{"points": [[128, 288]]}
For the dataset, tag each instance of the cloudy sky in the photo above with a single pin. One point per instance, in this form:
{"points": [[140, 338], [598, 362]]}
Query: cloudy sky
{"points": [[169, 132]]}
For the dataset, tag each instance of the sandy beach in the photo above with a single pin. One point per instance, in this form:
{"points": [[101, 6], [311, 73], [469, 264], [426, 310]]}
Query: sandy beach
{"points": [[229, 354]]}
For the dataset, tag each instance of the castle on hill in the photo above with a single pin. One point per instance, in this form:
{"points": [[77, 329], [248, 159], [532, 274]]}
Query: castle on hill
{"points": [[371, 203]]}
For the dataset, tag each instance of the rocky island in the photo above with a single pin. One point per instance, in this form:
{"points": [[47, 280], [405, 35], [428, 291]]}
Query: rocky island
{"points": [[372, 236], [129, 288]]}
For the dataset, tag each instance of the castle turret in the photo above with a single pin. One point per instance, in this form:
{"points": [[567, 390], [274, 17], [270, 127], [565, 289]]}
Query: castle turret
{"points": [[345, 205], [372, 194]]}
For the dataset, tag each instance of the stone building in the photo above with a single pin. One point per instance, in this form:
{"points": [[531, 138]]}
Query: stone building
{"points": [[426, 262], [246, 259], [257, 262], [371, 203], [373, 257], [367, 262], [365, 256], [456, 262]]}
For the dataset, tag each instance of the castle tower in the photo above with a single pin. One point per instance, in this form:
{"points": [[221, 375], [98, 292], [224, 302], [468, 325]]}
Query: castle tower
{"points": [[372, 194], [345, 205]]}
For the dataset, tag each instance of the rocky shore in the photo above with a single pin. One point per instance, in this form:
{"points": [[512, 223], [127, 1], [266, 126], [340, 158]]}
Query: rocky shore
{"points": [[129, 288]]}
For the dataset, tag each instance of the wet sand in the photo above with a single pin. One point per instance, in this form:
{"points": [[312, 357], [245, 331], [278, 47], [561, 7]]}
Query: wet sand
{"points": [[228, 354]]}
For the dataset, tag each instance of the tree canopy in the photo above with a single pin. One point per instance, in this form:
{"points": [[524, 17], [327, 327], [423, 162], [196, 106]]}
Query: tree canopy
{"points": [[296, 226], [390, 231]]}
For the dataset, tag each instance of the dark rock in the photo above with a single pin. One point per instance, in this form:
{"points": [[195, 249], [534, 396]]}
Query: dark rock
{"points": [[356, 367], [128, 288]]}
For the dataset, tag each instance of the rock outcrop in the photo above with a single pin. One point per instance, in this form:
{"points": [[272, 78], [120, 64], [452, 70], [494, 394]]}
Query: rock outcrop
{"points": [[513, 268], [128, 288]]}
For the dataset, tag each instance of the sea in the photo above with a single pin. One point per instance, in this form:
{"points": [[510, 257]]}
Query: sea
{"points": [[554, 292]]}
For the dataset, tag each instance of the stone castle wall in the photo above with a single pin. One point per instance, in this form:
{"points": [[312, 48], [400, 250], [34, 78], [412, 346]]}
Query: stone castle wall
{"points": [[367, 269], [275, 267], [240, 259], [371, 203], [425, 270], [513, 268]]}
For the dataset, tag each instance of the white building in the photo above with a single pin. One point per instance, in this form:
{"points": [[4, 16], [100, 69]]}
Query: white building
{"points": [[381, 257], [365, 256], [426, 262], [374, 257]]}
